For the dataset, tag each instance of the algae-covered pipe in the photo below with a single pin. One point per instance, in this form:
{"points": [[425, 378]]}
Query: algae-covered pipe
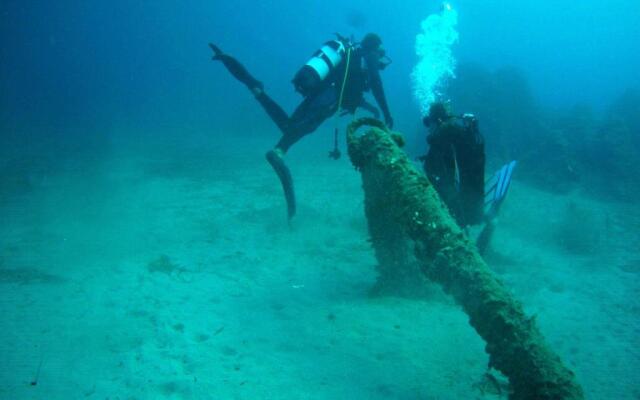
{"points": [[398, 195]]}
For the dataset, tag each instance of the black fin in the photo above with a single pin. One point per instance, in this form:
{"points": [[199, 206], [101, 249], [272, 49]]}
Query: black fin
{"points": [[284, 175], [216, 51], [236, 69]]}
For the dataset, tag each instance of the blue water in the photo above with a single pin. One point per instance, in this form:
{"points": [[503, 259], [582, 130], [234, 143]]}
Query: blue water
{"points": [[121, 142]]}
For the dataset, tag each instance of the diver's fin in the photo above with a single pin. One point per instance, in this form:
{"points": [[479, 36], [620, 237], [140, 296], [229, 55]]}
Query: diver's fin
{"points": [[216, 51], [236, 69], [284, 175], [496, 189]]}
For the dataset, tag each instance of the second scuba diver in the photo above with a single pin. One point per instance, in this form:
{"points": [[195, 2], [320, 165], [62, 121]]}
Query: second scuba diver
{"points": [[455, 166], [336, 77]]}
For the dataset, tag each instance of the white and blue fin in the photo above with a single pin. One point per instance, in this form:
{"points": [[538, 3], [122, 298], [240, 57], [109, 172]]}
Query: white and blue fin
{"points": [[496, 189]]}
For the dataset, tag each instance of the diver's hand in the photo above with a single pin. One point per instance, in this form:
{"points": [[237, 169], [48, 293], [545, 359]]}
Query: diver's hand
{"points": [[389, 121], [216, 51]]}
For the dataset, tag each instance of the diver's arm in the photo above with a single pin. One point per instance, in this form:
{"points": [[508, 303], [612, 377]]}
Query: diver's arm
{"points": [[375, 82]]}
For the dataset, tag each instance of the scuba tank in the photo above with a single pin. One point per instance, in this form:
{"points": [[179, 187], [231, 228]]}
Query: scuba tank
{"points": [[323, 62]]}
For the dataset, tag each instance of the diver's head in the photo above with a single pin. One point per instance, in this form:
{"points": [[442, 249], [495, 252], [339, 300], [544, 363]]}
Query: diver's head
{"points": [[437, 114], [371, 44]]}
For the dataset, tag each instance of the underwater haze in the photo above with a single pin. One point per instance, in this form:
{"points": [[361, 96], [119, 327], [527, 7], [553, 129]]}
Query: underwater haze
{"points": [[145, 251]]}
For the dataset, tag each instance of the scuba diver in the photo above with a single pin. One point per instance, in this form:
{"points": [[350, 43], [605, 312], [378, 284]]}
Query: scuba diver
{"points": [[334, 79], [455, 165]]}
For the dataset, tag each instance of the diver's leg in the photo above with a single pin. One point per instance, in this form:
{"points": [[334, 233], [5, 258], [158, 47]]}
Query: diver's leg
{"points": [[440, 166], [275, 112], [471, 163], [308, 116]]}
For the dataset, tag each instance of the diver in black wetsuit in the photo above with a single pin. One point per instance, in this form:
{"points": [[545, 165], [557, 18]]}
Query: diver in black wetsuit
{"points": [[336, 77], [455, 163]]}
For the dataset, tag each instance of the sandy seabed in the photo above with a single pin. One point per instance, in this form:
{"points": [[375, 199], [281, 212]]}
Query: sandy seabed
{"points": [[175, 276]]}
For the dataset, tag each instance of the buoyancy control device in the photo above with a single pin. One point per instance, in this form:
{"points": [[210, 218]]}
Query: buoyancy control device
{"points": [[321, 65]]}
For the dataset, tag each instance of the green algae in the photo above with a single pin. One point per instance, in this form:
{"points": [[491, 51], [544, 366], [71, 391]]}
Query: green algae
{"points": [[400, 198]]}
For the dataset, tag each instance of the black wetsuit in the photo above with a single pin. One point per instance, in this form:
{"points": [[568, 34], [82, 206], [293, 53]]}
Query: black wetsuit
{"points": [[454, 148], [363, 75]]}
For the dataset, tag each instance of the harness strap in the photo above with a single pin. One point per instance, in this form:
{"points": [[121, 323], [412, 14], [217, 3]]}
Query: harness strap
{"points": [[335, 154]]}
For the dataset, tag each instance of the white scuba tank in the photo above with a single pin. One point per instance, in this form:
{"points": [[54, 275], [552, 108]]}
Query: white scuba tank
{"points": [[324, 61]]}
